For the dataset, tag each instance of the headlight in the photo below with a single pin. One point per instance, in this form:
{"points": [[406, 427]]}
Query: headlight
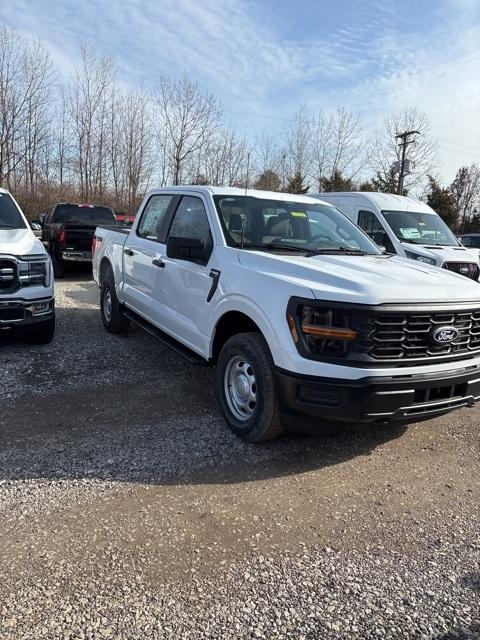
{"points": [[321, 330], [418, 258], [33, 272]]}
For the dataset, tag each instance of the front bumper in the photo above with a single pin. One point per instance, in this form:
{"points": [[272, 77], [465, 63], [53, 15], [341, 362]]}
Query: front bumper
{"points": [[377, 399], [20, 313], [77, 256]]}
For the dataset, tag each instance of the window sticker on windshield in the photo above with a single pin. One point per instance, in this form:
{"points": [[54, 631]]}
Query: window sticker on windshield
{"points": [[299, 214], [410, 232]]}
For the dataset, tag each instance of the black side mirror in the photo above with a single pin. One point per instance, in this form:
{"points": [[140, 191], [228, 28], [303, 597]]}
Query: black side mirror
{"points": [[35, 225], [191, 249]]}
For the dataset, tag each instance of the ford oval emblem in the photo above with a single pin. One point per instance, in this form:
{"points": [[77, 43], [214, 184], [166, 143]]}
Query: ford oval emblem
{"points": [[445, 335]]}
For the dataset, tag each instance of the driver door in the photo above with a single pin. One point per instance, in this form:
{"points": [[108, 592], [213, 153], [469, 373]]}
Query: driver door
{"points": [[369, 222], [182, 286]]}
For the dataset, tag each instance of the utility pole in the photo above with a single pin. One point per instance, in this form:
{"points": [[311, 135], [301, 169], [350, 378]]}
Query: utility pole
{"points": [[404, 137]]}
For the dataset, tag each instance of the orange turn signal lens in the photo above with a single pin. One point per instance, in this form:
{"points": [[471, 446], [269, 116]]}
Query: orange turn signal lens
{"points": [[292, 327], [329, 332]]}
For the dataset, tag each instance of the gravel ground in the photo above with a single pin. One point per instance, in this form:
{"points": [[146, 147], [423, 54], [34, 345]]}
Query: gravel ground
{"points": [[128, 510]]}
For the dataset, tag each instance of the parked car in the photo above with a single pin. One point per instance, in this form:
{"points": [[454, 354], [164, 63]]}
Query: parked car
{"points": [[124, 219], [407, 227], [67, 232], [304, 316], [26, 277]]}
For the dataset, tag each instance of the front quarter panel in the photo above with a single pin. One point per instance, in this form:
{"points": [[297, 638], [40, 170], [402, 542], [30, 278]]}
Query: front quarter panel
{"points": [[262, 298]]}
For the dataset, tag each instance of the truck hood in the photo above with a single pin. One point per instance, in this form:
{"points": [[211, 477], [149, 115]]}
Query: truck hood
{"points": [[364, 279], [19, 242], [442, 253]]}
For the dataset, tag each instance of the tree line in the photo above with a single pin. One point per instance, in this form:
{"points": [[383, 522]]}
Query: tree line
{"points": [[87, 138]]}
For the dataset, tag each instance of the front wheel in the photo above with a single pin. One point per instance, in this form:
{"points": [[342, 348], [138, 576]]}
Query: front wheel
{"points": [[245, 387]]}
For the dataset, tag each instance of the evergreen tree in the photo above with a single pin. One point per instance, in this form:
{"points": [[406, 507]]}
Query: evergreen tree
{"points": [[296, 184], [337, 182], [442, 201]]}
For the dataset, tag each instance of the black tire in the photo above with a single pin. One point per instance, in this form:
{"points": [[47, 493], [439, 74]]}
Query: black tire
{"points": [[113, 317], [58, 265], [41, 332], [263, 423]]}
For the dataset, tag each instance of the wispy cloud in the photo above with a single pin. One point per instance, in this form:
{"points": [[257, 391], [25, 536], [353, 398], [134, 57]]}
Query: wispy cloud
{"points": [[371, 61]]}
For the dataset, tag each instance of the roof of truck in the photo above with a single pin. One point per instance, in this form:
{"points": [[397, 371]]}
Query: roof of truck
{"points": [[236, 191], [385, 201]]}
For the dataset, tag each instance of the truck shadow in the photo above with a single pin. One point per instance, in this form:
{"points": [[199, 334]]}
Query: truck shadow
{"points": [[98, 406]]}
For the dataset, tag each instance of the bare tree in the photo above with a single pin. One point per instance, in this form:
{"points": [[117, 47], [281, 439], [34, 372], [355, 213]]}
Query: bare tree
{"points": [[25, 102], [384, 149], [268, 160], [465, 191], [88, 103], [298, 149], [188, 119], [337, 147]]}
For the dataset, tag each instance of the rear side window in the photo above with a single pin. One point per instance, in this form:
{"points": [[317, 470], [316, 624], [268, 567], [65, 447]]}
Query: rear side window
{"points": [[10, 217], [153, 216], [77, 214], [191, 221]]}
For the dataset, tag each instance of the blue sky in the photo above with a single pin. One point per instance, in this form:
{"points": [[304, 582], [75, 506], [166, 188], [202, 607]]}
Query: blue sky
{"points": [[263, 59]]}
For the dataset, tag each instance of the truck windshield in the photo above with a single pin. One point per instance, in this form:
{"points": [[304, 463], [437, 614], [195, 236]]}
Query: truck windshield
{"points": [[420, 228], [83, 214], [10, 217], [256, 223]]}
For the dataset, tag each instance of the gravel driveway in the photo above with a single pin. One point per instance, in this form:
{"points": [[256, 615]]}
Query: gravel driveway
{"points": [[128, 510]]}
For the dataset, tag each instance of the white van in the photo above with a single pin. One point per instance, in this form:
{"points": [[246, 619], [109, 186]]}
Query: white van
{"points": [[407, 227]]}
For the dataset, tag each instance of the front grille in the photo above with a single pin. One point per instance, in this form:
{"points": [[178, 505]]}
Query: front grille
{"points": [[408, 336], [469, 269], [8, 275], [11, 314]]}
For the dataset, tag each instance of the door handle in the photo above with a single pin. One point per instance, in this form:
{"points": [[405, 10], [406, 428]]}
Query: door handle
{"points": [[128, 252], [158, 262]]}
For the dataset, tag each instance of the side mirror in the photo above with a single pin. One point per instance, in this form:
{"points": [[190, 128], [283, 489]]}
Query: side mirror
{"points": [[191, 249], [35, 226]]}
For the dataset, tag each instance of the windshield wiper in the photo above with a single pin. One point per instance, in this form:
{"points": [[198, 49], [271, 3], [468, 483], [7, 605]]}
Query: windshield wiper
{"points": [[7, 226], [343, 250], [274, 247]]}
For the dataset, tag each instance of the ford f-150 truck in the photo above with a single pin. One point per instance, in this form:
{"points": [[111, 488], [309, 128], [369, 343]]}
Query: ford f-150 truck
{"points": [[304, 316], [67, 232], [26, 277]]}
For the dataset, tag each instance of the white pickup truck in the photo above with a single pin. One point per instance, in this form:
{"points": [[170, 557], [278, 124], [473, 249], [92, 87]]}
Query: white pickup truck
{"points": [[305, 318], [26, 277]]}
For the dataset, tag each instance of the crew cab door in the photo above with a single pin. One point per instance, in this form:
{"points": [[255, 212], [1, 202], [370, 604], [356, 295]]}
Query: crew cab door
{"points": [[182, 286], [145, 245]]}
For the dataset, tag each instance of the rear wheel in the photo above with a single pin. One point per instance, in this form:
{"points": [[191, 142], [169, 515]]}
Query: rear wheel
{"points": [[246, 389], [41, 332], [113, 317]]}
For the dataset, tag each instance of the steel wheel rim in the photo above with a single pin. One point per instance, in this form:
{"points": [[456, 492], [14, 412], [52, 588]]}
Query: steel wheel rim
{"points": [[240, 388], [107, 305]]}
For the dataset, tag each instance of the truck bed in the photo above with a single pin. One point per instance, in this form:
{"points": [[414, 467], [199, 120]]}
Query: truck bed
{"points": [[112, 238]]}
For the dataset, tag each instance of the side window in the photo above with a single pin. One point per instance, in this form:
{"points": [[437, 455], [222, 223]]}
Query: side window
{"points": [[152, 217], [369, 222], [191, 221]]}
